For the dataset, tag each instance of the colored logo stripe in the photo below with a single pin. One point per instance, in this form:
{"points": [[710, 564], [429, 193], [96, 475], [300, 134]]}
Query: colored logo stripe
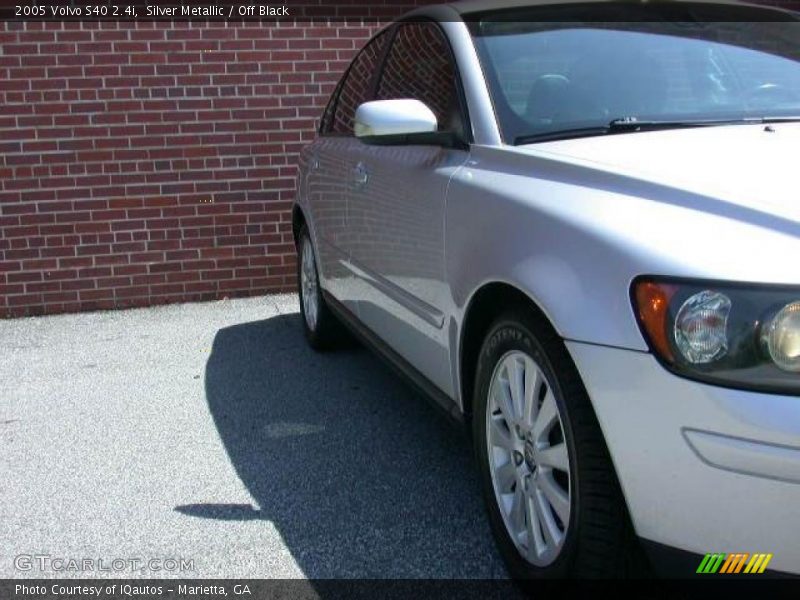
{"points": [[734, 563], [711, 563], [758, 564]]}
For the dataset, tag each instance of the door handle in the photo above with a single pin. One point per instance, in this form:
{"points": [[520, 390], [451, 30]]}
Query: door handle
{"points": [[360, 175]]}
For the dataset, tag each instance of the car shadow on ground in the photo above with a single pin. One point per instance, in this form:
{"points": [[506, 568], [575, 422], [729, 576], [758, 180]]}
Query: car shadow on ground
{"points": [[361, 477]]}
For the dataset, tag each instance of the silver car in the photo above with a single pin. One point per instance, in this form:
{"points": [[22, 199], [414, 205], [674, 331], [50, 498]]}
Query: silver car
{"points": [[576, 228]]}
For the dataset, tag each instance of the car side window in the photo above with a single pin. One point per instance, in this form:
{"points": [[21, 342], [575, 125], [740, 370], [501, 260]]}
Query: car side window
{"points": [[326, 122], [355, 87], [420, 66]]}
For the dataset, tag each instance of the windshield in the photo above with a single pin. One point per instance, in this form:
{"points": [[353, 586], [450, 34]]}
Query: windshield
{"points": [[550, 77]]}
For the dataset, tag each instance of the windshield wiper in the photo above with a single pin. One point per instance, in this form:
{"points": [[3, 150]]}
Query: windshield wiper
{"points": [[790, 119], [632, 124], [563, 134]]}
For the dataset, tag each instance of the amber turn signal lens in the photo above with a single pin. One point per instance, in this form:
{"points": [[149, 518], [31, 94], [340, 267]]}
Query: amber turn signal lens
{"points": [[652, 303]]}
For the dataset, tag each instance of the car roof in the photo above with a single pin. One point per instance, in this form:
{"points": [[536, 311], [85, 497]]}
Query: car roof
{"points": [[465, 8], [474, 6]]}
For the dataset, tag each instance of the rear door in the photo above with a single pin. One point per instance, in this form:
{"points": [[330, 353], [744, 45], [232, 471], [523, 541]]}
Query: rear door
{"points": [[397, 208]]}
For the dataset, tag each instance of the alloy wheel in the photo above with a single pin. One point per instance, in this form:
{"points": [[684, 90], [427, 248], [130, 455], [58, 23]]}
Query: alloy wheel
{"points": [[528, 458]]}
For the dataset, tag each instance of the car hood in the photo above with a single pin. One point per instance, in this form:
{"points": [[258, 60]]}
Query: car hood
{"points": [[752, 166]]}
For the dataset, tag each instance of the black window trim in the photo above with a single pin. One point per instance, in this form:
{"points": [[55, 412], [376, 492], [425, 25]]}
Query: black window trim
{"points": [[389, 31], [372, 89], [330, 104], [462, 98]]}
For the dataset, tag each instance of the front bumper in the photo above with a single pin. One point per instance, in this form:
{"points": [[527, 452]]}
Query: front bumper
{"points": [[703, 469]]}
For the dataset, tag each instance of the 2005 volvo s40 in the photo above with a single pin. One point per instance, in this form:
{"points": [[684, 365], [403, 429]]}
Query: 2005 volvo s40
{"points": [[576, 227]]}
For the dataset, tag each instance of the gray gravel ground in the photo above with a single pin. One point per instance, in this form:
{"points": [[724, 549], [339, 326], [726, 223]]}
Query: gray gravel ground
{"points": [[210, 432]]}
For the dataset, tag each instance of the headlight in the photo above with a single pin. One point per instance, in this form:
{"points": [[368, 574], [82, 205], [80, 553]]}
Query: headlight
{"points": [[782, 338], [701, 327], [735, 335]]}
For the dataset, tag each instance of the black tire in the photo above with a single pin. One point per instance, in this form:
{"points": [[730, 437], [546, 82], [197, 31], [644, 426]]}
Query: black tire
{"points": [[326, 333], [599, 540]]}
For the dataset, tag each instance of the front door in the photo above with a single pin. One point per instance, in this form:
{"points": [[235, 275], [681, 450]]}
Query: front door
{"points": [[396, 212]]}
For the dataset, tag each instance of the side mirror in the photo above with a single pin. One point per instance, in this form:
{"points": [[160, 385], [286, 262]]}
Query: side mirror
{"points": [[403, 122], [381, 118]]}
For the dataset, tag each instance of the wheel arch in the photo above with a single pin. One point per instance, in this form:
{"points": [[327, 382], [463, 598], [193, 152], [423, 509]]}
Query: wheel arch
{"points": [[488, 302], [298, 220], [485, 305]]}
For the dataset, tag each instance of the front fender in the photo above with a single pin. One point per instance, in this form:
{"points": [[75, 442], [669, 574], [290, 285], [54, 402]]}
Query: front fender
{"points": [[506, 225]]}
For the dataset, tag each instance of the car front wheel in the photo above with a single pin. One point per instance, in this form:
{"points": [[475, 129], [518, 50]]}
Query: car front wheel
{"points": [[554, 504]]}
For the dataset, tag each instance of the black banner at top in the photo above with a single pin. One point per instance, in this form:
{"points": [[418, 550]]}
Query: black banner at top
{"points": [[223, 10], [292, 10]]}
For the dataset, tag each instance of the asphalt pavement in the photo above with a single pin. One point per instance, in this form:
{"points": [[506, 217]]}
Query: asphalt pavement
{"points": [[207, 440]]}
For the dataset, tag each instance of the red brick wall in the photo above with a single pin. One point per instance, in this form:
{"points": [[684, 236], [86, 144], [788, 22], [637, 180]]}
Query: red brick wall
{"points": [[151, 162]]}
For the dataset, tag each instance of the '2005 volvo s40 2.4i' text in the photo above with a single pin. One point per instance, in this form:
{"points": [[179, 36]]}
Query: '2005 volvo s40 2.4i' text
{"points": [[576, 227]]}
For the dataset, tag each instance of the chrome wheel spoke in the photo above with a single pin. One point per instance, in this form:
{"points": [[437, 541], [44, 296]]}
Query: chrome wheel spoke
{"points": [[500, 435], [552, 534], [503, 400], [515, 369], [547, 417], [506, 477], [555, 457], [554, 495], [536, 545], [516, 514], [533, 383]]}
